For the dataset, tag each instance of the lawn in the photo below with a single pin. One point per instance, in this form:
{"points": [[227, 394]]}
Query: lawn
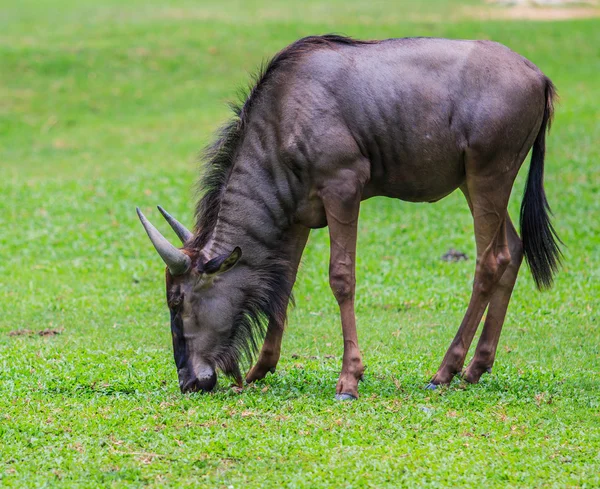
{"points": [[105, 105]]}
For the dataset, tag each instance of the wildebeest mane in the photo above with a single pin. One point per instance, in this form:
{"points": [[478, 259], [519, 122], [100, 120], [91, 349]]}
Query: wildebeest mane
{"points": [[219, 157]]}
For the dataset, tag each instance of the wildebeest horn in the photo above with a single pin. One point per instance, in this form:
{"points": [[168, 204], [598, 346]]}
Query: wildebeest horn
{"points": [[180, 229], [177, 261]]}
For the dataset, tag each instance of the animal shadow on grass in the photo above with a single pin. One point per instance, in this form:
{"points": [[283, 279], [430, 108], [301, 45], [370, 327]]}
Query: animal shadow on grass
{"points": [[383, 383]]}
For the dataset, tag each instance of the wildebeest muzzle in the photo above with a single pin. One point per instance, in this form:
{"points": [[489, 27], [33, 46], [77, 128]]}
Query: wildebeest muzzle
{"points": [[188, 382]]}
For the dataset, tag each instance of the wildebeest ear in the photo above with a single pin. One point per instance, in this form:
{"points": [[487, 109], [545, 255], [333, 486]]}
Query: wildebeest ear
{"points": [[223, 263]]}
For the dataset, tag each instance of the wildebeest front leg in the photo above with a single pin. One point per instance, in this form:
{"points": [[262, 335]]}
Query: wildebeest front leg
{"points": [[271, 349], [269, 353], [342, 207]]}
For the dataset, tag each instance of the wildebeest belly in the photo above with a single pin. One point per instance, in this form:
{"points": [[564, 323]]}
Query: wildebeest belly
{"points": [[420, 165], [429, 185]]}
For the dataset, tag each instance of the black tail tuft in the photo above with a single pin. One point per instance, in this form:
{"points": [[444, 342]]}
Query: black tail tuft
{"points": [[540, 241]]}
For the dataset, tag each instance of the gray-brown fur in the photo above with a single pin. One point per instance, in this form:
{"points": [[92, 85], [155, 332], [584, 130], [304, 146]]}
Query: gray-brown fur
{"points": [[332, 122]]}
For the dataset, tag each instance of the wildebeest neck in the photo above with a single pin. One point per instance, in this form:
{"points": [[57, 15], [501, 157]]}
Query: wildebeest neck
{"points": [[256, 207]]}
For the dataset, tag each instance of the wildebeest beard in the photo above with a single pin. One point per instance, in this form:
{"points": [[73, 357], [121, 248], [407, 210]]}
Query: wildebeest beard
{"points": [[264, 305]]}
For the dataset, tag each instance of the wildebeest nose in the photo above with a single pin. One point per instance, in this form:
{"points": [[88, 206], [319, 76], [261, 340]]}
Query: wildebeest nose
{"points": [[194, 384]]}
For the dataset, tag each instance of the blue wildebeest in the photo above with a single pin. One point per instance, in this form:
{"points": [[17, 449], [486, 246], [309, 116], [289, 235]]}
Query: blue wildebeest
{"points": [[333, 121]]}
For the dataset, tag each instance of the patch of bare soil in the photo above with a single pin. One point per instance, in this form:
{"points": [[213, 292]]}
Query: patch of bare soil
{"points": [[541, 10], [42, 332], [454, 255], [533, 11]]}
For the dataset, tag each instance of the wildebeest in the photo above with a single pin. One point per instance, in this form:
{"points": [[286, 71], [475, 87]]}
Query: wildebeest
{"points": [[332, 121]]}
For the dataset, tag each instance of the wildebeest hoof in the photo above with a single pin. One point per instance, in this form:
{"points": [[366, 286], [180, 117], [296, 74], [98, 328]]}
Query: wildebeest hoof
{"points": [[258, 373], [345, 397], [431, 386], [473, 374]]}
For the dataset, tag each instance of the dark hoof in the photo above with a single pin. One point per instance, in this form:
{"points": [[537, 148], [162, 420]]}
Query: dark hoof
{"points": [[431, 386], [473, 376], [345, 397], [258, 375]]}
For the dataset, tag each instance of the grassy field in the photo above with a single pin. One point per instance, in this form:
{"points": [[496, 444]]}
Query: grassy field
{"points": [[104, 106]]}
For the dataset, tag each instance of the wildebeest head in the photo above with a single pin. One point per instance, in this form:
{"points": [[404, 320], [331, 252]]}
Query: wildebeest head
{"points": [[205, 305]]}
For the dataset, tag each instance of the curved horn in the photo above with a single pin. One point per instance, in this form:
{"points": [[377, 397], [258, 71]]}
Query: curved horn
{"points": [[180, 229], [177, 261]]}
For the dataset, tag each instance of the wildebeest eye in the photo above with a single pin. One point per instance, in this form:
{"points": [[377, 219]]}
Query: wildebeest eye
{"points": [[175, 301]]}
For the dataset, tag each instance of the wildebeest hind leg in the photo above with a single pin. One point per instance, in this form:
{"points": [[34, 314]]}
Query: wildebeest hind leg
{"points": [[271, 349], [487, 193], [488, 342]]}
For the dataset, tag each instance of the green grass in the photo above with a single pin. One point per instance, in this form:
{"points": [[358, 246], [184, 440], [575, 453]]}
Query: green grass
{"points": [[104, 106]]}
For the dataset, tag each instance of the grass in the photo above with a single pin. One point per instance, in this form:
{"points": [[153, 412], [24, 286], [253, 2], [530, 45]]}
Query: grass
{"points": [[104, 106]]}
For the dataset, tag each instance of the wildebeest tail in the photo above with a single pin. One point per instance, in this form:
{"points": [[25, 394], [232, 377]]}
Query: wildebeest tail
{"points": [[540, 241]]}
